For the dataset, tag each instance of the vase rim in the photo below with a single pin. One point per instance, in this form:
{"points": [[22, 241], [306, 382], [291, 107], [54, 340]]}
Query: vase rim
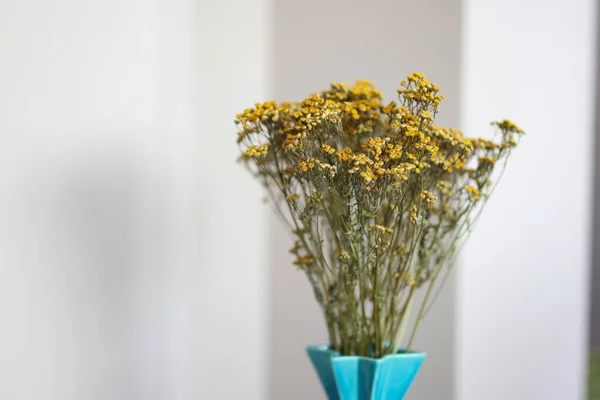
{"points": [[400, 354]]}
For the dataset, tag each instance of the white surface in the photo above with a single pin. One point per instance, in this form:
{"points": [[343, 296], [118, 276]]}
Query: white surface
{"points": [[234, 61], [523, 288], [128, 266], [118, 239]]}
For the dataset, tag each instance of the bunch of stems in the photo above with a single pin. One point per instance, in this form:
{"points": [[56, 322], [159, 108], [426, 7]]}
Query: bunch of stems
{"points": [[377, 198]]}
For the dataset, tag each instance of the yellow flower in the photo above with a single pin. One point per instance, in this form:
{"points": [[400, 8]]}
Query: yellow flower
{"points": [[382, 228], [486, 161], [410, 280], [473, 192], [413, 214], [368, 175], [327, 149], [429, 198], [292, 197], [303, 261], [508, 126], [389, 108], [257, 151], [445, 187]]}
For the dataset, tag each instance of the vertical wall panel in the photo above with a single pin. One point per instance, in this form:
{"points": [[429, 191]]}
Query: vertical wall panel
{"points": [[523, 291], [131, 243]]}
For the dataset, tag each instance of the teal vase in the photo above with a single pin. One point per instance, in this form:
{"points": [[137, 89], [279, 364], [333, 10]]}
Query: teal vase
{"points": [[364, 378]]}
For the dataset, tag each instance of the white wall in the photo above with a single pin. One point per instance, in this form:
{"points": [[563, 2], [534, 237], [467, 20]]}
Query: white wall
{"points": [[128, 266], [594, 339], [118, 240], [523, 289], [230, 286], [84, 201]]}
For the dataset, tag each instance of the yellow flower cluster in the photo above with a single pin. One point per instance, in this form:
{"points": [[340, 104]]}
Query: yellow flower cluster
{"points": [[292, 197], [377, 143], [473, 192], [252, 118], [377, 196], [313, 112], [303, 261], [508, 126], [368, 175], [407, 277], [382, 229], [420, 92], [257, 151], [347, 136], [327, 148], [445, 187], [487, 162], [484, 144], [311, 163], [429, 198], [344, 155], [413, 214], [305, 165]]}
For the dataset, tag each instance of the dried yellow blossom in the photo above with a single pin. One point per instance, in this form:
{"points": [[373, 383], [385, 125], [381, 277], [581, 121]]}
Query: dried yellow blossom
{"points": [[257, 151], [407, 277], [413, 214], [292, 197], [387, 197], [382, 229], [487, 162], [473, 192], [304, 261], [368, 175], [508, 126], [327, 148], [344, 155], [429, 198]]}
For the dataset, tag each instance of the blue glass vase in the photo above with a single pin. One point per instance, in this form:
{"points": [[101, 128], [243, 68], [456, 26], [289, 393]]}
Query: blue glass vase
{"points": [[364, 378]]}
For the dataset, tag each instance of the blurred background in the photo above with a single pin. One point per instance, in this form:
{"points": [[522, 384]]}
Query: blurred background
{"points": [[138, 261]]}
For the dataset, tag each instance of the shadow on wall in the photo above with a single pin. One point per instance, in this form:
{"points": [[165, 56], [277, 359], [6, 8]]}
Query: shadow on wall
{"points": [[84, 293]]}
